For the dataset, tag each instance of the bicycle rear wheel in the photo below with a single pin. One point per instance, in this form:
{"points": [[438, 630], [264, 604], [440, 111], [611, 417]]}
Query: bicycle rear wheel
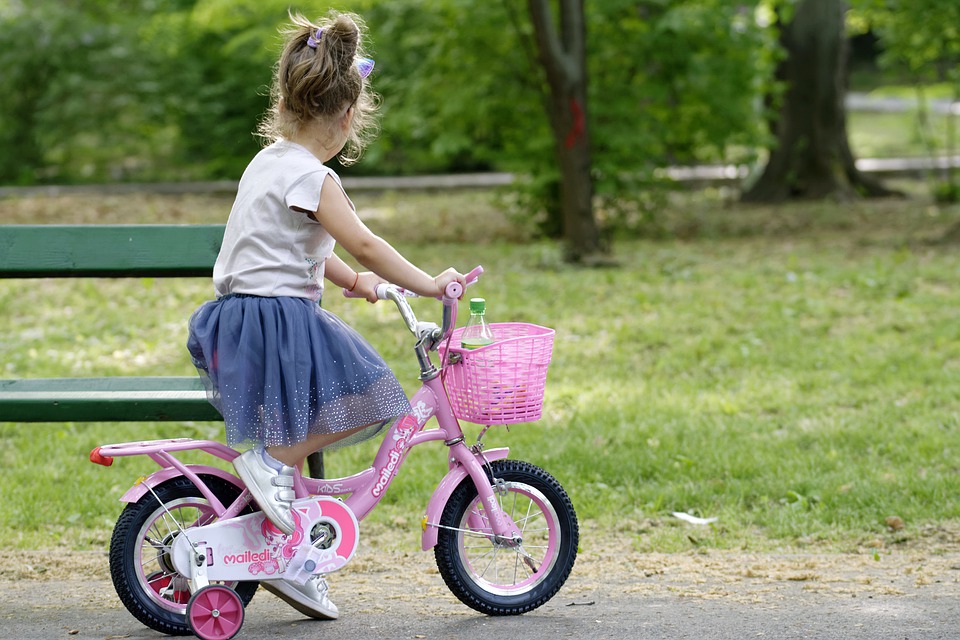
{"points": [[140, 564], [503, 578]]}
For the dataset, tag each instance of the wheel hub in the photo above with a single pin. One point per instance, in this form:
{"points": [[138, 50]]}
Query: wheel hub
{"points": [[164, 553], [322, 536]]}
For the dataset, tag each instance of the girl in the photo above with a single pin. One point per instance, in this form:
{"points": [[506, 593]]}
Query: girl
{"points": [[288, 377]]}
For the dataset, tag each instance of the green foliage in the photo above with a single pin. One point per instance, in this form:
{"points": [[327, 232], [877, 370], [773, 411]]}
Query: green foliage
{"points": [[669, 83], [173, 90], [168, 91], [679, 83], [213, 71], [74, 91], [686, 76], [458, 93], [155, 91], [921, 35]]}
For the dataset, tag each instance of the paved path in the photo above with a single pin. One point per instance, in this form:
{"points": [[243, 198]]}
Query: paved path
{"points": [[613, 593], [59, 610]]}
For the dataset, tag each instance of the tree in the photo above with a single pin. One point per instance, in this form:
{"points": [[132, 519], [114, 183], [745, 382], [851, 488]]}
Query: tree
{"points": [[669, 83], [562, 53], [812, 157]]}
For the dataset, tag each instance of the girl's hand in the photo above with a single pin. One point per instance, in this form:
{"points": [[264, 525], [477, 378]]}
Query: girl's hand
{"points": [[445, 278], [367, 282]]}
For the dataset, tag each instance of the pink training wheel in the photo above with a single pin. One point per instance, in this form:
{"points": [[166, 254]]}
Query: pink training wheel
{"points": [[215, 612]]}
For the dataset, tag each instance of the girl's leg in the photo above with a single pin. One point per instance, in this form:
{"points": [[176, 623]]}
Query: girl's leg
{"points": [[270, 477], [294, 455]]}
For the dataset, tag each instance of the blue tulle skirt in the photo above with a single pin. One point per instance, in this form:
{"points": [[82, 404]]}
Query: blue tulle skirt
{"points": [[279, 369]]}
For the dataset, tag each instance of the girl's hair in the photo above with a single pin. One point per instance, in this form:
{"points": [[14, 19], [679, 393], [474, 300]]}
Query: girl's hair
{"points": [[317, 78]]}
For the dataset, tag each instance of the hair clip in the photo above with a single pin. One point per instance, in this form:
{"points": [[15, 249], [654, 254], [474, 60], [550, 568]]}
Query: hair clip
{"points": [[364, 66], [313, 40]]}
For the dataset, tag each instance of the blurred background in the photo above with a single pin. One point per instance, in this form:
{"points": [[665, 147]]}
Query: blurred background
{"points": [[107, 91]]}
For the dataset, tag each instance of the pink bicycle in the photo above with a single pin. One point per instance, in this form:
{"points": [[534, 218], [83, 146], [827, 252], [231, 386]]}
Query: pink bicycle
{"points": [[190, 547]]}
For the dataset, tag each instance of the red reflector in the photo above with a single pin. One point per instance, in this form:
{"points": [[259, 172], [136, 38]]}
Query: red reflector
{"points": [[98, 458]]}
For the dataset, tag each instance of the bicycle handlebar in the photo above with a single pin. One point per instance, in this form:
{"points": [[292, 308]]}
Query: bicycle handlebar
{"points": [[451, 295]]}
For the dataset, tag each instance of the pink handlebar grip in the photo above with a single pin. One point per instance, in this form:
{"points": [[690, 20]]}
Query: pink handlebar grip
{"points": [[454, 290], [474, 275]]}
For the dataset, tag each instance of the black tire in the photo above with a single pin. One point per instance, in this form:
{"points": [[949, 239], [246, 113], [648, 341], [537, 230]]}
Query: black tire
{"points": [[501, 578], [143, 575]]}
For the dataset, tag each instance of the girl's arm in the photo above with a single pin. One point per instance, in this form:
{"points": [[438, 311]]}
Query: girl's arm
{"points": [[339, 272], [338, 217], [363, 284]]}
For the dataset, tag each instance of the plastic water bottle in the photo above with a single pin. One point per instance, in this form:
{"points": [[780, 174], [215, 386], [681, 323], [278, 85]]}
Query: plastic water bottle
{"points": [[477, 332]]}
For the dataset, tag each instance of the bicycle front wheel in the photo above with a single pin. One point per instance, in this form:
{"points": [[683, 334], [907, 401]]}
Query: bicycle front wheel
{"points": [[503, 577]]}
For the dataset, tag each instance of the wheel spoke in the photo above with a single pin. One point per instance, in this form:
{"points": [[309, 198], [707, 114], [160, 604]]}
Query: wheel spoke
{"points": [[490, 563], [147, 561], [527, 560]]}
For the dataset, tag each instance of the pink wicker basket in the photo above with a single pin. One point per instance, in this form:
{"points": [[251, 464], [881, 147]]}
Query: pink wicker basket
{"points": [[502, 383]]}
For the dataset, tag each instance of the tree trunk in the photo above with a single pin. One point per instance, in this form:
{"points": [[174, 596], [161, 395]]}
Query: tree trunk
{"points": [[563, 56], [812, 158]]}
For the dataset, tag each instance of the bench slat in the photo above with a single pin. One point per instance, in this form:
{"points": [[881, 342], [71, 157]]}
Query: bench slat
{"points": [[115, 399], [80, 251]]}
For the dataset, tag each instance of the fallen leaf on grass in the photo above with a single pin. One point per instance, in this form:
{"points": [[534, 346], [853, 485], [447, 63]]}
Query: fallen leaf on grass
{"points": [[686, 517]]}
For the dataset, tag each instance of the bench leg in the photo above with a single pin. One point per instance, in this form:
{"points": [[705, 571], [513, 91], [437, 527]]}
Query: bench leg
{"points": [[315, 465]]}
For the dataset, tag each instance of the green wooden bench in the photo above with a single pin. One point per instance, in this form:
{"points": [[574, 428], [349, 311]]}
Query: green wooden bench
{"points": [[111, 251]]}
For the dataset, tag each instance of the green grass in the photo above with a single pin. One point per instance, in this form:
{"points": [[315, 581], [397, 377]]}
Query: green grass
{"points": [[793, 371]]}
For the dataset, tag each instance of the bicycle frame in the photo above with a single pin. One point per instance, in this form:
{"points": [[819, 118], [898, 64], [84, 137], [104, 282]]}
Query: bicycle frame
{"points": [[363, 491], [368, 487]]}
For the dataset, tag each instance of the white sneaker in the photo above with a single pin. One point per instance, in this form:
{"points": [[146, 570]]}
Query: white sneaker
{"points": [[310, 599], [272, 489]]}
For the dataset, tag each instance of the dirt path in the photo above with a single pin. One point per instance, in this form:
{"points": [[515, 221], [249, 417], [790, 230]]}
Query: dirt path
{"points": [[932, 563]]}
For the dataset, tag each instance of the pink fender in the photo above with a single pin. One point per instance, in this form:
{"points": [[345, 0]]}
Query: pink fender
{"points": [[140, 489], [443, 492]]}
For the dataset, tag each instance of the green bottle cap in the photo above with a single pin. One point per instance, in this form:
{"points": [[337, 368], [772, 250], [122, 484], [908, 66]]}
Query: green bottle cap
{"points": [[477, 305]]}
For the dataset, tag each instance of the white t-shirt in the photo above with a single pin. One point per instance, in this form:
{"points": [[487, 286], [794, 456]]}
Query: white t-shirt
{"points": [[269, 248]]}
